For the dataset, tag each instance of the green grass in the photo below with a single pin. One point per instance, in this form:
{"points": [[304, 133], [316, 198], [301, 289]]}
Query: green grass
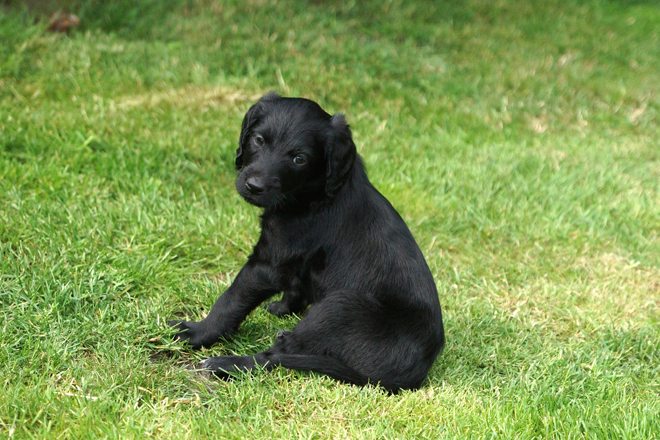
{"points": [[520, 141]]}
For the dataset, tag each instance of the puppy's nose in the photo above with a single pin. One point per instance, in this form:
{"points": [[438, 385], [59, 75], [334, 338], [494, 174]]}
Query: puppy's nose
{"points": [[255, 185]]}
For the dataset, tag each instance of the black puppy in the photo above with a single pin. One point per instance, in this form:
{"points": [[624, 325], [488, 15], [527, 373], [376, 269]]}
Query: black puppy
{"points": [[329, 239]]}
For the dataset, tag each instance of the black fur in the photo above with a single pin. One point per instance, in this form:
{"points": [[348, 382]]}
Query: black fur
{"points": [[331, 241]]}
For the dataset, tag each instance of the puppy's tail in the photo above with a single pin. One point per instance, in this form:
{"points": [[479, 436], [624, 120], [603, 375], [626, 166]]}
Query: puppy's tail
{"points": [[320, 364]]}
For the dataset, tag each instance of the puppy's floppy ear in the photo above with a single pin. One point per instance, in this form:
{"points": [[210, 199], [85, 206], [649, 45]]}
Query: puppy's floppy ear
{"points": [[251, 117], [340, 154]]}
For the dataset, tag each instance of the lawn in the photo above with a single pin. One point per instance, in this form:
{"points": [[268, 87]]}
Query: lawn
{"points": [[520, 141]]}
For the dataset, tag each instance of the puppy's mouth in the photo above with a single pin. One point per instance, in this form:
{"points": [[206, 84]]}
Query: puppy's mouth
{"points": [[263, 200], [269, 199], [266, 197], [254, 200]]}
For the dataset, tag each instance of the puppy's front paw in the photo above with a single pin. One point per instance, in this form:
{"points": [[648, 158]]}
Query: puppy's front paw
{"points": [[194, 333]]}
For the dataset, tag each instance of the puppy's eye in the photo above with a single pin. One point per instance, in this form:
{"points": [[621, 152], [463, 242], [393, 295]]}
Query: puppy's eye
{"points": [[299, 160], [259, 141]]}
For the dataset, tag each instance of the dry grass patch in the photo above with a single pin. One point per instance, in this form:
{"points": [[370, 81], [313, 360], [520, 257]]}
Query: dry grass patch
{"points": [[201, 97]]}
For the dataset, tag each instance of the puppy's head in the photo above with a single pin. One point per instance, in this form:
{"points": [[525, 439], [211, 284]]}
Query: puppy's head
{"points": [[291, 152]]}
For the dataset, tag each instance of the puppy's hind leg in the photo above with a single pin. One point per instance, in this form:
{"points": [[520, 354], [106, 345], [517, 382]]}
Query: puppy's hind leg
{"points": [[359, 339], [224, 367]]}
